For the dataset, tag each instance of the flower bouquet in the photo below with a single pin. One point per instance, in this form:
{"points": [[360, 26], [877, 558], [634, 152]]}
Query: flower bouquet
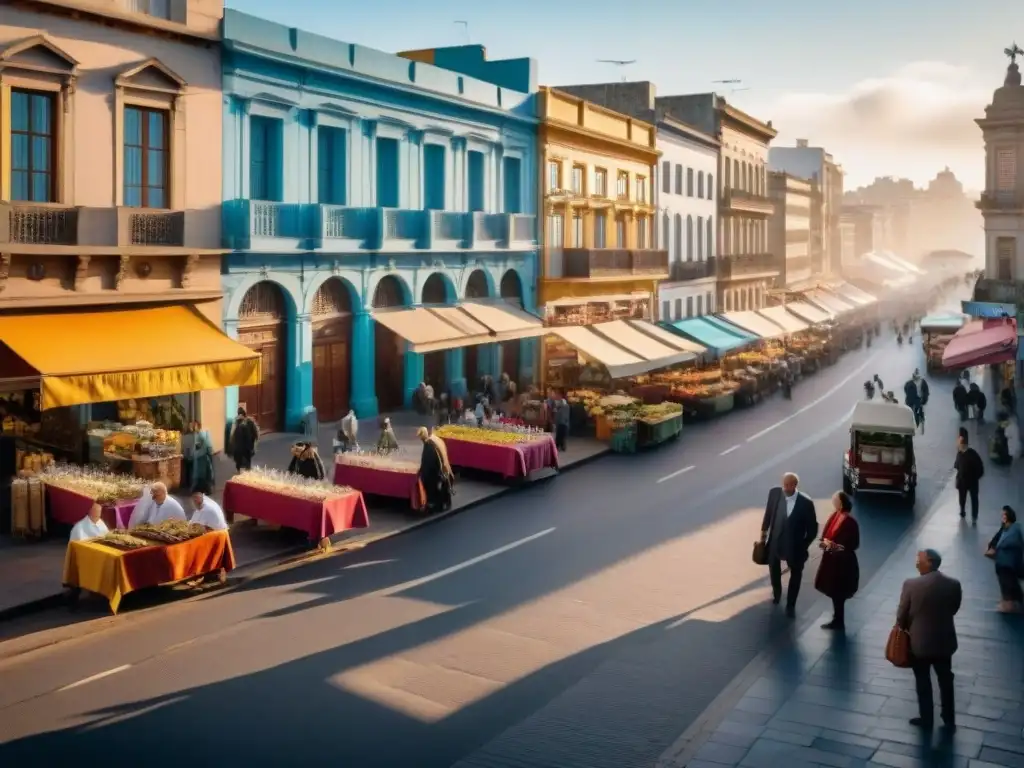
{"points": [[484, 436], [395, 462], [99, 485], [289, 484]]}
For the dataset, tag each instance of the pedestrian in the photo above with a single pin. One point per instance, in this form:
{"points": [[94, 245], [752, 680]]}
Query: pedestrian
{"points": [[1012, 432], [435, 472], [928, 604], [838, 574], [561, 418], [201, 471], [1007, 399], [1007, 550], [789, 527], [243, 441], [306, 461], [969, 471], [960, 399]]}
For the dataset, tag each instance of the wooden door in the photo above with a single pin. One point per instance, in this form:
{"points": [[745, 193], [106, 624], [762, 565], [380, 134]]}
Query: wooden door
{"points": [[434, 371], [330, 378], [389, 368], [264, 402], [510, 361]]}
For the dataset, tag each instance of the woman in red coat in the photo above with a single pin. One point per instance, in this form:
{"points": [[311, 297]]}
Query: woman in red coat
{"points": [[839, 573]]}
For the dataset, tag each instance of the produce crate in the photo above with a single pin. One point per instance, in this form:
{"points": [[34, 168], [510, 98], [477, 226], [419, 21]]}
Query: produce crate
{"points": [[659, 432], [624, 439], [166, 471]]}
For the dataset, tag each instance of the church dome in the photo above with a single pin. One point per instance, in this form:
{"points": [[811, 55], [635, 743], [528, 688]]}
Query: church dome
{"points": [[1008, 101]]}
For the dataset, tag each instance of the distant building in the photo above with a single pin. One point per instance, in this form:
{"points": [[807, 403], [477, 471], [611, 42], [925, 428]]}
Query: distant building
{"points": [[686, 196], [789, 229]]}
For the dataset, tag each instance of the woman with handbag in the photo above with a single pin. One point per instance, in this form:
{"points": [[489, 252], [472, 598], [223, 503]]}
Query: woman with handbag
{"points": [[838, 574], [1007, 550]]}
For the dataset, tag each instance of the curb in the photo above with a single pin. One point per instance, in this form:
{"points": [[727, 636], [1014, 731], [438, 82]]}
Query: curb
{"points": [[694, 737], [276, 563]]}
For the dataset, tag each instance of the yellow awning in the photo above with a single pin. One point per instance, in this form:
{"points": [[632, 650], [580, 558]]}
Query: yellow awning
{"points": [[783, 317], [434, 329], [96, 357]]}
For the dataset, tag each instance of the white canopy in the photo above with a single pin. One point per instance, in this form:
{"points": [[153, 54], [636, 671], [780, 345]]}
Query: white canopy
{"points": [[833, 304], [626, 348], [877, 416], [754, 323], [790, 323], [809, 312]]}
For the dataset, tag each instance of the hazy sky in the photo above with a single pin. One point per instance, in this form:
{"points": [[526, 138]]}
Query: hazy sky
{"points": [[888, 90]]}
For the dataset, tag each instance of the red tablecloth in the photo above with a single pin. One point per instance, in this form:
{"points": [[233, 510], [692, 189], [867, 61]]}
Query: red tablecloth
{"points": [[68, 507], [317, 519], [507, 460], [381, 482]]}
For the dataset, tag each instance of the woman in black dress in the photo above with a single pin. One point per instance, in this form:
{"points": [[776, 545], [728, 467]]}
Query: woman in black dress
{"points": [[435, 471]]}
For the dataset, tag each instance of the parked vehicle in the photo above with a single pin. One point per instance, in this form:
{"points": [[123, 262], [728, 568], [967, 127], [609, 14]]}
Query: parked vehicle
{"points": [[881, 457]]}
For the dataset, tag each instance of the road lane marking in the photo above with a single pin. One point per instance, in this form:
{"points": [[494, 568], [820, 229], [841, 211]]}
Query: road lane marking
{"points": [[367, 563], [94, 678], [677, 473], [727, 451], [813, 403], [460, 566]]}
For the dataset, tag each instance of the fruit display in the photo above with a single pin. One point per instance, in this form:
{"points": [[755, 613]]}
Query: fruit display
{"points": [[141, 438], [492, 435], [168, 532], [400, 461], [289, 484], [653, 414], [613, 403], [124, 541], [98, 485]]}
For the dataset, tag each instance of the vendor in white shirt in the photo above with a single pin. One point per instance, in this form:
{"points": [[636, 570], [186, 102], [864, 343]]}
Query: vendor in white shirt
{"points": [[208, 513], [91, 526], [156, 506]]}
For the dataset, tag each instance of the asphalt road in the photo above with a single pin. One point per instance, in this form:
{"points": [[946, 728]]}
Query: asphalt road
{"points": [[581, 623]]}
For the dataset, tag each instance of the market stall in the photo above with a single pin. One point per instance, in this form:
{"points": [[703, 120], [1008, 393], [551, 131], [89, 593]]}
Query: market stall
{"points": [[319, 509], [506, 450], [628, 424], [982, 342], [719, 338], [71, 491], [937, 330], [151, 453], [377, 475], [126, 561]]}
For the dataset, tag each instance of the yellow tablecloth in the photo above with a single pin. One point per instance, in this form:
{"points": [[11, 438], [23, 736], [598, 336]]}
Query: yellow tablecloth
{"points": [[114, 573]]}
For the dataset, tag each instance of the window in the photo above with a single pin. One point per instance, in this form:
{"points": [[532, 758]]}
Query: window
{"points": [[554, 175], [728, 174], [666, 176], [689, 306], [577, 179], [664, 311], [641, 189], [600, 231], [1006, 249], [265, 135], [577, 231], [387, 172], [737, 178], [711, 186], [476, 179], [512, 179], [689, 238], [679, 237], [32, 147], [145, 158], [700, 238], [700, 184], [331, 156], [600, 182], [620, 233], [641, 232], [711, 237], [689, 182], [665, 233], [699, 308], [1006, 170], [433, 177], [160, 9], [556, 231], [622, 185], [679, 179], [709, 303]]}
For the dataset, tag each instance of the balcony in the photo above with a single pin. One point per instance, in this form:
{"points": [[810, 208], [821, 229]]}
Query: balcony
{"points": [[996, 202], [343, 228], [736, 200], [268, 225], [682, 271], [747, 266], [589, 263], [38, 224], [149, 227], [999, 291]]}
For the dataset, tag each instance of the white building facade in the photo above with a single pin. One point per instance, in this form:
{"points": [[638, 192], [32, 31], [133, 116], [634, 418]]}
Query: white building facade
{"points": [[686, 196]]}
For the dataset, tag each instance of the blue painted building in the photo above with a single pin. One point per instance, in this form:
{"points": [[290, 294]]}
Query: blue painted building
{"points": [[356, 180]]}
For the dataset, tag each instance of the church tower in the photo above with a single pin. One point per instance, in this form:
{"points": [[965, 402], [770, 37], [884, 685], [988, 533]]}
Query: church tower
{"points": [[1002, 202]]}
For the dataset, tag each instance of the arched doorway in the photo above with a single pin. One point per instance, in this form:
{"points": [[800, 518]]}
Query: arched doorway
{"points": [[261, 327], [435, 371], [332, 337], [511, 289], [389, 348], [476, 288]]}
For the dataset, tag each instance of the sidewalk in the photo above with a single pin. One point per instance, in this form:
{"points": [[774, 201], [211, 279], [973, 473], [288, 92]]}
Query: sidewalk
{"points": [[30, 571], [829, 700]]}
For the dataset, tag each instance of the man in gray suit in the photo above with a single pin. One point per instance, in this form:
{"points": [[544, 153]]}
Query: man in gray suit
{"points": [[790, 527], [927, 607]]}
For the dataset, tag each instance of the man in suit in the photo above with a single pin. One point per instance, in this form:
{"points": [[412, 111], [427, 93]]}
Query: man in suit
{"points": [[790, 527], [927, 607], [969, 470]]}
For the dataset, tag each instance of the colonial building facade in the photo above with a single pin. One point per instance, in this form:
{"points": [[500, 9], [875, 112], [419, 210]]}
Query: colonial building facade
{"points": [[110, 182], [790, 231], [357, 181]]}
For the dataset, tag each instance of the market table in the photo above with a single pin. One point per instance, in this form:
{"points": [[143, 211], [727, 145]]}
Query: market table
{"points": [[517, 460], [318, 519], [380, 481], [114, 573], [69, 507]]}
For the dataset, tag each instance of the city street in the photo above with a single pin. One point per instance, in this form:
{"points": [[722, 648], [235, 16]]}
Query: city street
{"points": [[584, 622]]}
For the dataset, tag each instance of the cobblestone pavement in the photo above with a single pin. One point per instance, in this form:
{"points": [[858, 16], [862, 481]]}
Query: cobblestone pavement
{"points": [[833, 700]]}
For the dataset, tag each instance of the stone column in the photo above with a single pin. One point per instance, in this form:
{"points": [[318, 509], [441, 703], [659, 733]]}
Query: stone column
{"points": [[230, 393], [364, 396], [455, 367]]}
